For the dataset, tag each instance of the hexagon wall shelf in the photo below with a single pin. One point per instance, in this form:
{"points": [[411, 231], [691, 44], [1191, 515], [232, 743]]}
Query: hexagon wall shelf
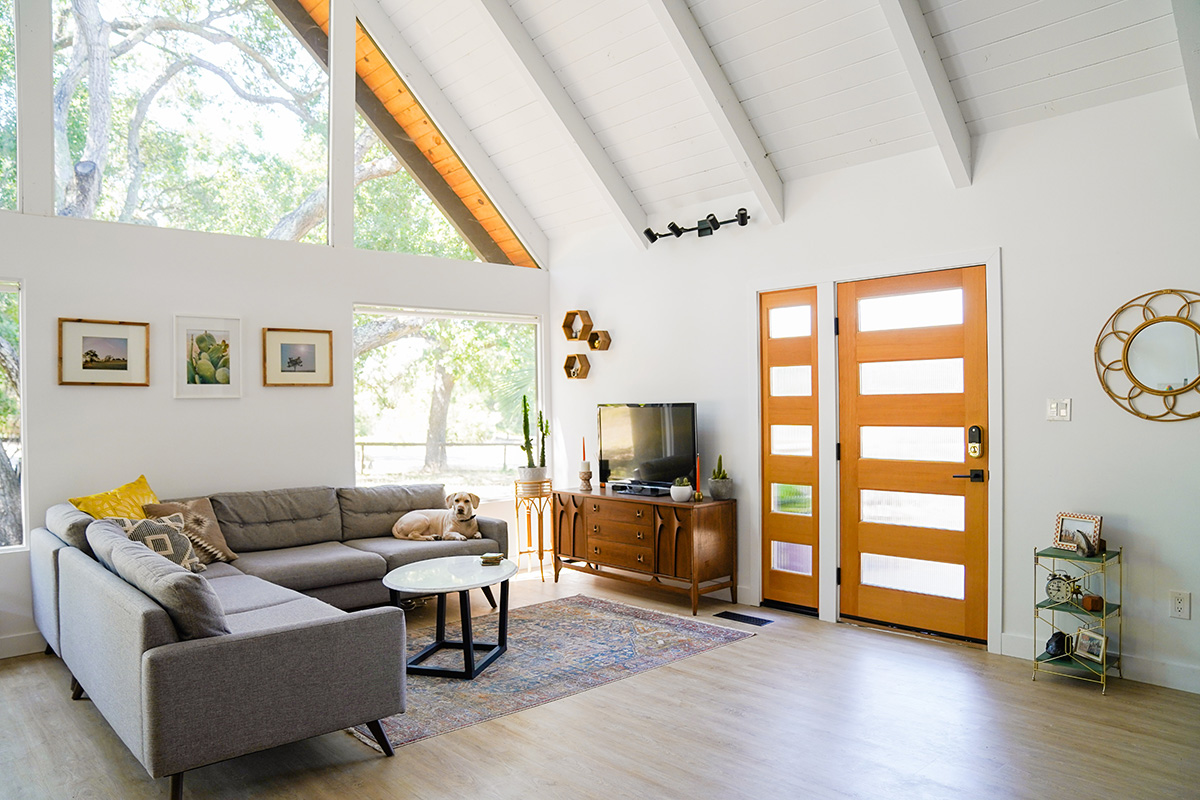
{"points": [[585, 323], [599, 340], [576, 366]]}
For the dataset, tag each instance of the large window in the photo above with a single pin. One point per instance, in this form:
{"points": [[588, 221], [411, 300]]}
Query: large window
{"points": [[8, 107], [11, 530], [437, 398], [206, 115]]}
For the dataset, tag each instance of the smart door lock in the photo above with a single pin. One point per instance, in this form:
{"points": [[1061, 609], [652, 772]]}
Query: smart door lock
{"points": [[975, 441]]}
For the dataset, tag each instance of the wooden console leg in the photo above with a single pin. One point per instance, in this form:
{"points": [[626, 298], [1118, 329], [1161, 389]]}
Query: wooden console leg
{"points": [[177, 786], [377, 731], [487, 592]]}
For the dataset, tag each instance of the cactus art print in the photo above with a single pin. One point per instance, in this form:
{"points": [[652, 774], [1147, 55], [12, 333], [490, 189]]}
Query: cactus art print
{"points": [[206, 360]]}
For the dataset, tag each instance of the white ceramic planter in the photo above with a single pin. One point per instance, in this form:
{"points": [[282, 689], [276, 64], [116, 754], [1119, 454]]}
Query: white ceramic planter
{"points": [[681, 494], [532, 473]]}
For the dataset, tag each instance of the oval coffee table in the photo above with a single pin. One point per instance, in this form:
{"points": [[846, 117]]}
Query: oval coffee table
{"points": [[460, 574]]}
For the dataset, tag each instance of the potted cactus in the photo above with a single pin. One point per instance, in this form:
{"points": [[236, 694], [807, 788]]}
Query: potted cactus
{"points": [[720, 485], [533, 472], [681, 492]]}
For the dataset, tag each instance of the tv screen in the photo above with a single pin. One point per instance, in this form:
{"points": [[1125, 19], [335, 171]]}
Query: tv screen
{"points": [[650, 443]]}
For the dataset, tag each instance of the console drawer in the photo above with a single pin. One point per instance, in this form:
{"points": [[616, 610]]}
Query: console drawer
{"points": [[638, 534], [620, 554], [618, 511]]}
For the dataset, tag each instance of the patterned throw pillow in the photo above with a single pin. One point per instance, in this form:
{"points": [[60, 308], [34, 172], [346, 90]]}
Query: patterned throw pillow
{"points": [[199, 524], [124, 501], [164, 536]]}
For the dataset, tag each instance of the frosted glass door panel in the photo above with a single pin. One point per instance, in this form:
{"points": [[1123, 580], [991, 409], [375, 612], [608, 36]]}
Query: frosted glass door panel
{"points": [[927, 376], [911, 443], [791, 557], [945, 512], [787, 322], [788, 498], [791, 381], [914, 575], [921, 310], [791, 440]]}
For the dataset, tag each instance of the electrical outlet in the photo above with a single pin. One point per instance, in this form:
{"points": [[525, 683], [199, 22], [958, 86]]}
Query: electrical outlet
{"points": [[1058, 410], [1181, 605]]}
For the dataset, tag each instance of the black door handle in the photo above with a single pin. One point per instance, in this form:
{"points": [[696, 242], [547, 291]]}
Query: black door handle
{"points": [[976, 476]]}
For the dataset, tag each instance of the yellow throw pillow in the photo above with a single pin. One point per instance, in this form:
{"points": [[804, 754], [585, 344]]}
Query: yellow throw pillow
{"points": [[124, 501]]}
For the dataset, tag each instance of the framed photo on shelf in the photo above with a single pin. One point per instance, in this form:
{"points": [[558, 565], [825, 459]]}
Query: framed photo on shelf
{"points": [[297, 357], [1090, 644], [1078, 532], [208, 357], [97, 352]]}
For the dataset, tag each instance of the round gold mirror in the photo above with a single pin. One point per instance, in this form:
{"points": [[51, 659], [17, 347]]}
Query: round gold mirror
{"points": [[1148, 356]]}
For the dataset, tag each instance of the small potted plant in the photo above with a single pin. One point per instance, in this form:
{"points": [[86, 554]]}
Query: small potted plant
{"points": [[720, 485], [681, 492], [533, 472]]}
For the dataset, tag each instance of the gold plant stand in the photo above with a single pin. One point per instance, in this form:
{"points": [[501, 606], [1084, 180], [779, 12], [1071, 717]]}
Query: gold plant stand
{"points": [[532, 496]]}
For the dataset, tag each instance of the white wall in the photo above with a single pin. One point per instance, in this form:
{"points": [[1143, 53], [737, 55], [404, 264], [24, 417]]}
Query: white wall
{"points": [[82, 439], [1090, 210]]}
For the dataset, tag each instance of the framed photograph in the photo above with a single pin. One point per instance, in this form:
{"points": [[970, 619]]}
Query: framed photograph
{"points": [[1078, 532], [1090, 644], [208, 357], [297, 357], [97, 352]]}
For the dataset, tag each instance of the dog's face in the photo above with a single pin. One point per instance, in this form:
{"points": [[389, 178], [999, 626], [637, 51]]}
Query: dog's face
{"points": [[462, 504]]}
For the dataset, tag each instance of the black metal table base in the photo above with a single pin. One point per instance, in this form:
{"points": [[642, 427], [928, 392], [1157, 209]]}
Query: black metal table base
{"points": [[490, 651]]}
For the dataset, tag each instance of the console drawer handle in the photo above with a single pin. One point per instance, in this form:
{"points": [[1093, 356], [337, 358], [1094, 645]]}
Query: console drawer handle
{"points": [[596, 550], [595, 529], [639, 514], [595, 507], [641, 535], [640, 558]]}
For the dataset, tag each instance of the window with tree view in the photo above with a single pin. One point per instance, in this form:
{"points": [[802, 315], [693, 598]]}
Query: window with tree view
{"points": [[11, 530], [8, 107], [208, 115], [437, 398]]}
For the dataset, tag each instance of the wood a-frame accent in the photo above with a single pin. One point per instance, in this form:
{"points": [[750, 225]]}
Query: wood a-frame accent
{"points": [[404, 126]]}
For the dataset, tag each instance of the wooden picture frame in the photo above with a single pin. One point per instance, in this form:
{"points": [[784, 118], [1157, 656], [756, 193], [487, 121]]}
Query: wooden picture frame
{"points": [[1090, 644], [195, 340], [1078, 532], [101, 352], [297, 357]]}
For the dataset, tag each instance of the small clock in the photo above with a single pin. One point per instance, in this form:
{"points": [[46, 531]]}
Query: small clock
{"points": [[1061, 587]]}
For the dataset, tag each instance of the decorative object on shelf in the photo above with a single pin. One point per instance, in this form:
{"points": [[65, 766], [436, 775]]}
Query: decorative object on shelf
{"points": [[208, 357], [1148, 356], [1096, 619], [720, 485], [576, 366], [1090, 645], [531, 471], [681, 491], [1092, 602], [1061, 587], [1078, 532], [577, 334], [599, 340], [98, 352], [297, 357], [1059, 644], [704, 227]]}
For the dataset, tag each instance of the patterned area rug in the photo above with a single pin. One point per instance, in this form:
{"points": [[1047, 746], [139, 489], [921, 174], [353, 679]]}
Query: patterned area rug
{"points": [[555, 649]]}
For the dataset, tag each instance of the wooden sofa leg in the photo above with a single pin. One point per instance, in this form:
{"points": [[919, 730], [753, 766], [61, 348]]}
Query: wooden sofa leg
{"points": [[487, 592], [76, 689], [377, 731], [177, 786]]}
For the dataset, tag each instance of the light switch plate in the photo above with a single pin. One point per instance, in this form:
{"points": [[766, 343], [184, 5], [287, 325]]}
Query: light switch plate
{"points": [[1058, 410]]}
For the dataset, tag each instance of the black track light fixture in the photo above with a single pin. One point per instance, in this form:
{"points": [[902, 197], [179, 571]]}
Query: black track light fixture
{"points": [[704, 227]]}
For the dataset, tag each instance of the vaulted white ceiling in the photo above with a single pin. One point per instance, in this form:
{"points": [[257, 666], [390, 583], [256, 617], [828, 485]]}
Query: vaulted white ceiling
{"points": [[594, 110]]}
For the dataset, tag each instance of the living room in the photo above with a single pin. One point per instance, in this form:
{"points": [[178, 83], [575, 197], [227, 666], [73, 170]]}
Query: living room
{"points": [[1074, 214]]}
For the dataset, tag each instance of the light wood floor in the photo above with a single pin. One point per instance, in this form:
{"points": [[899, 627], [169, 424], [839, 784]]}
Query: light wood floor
{"points": [[802, 710]]}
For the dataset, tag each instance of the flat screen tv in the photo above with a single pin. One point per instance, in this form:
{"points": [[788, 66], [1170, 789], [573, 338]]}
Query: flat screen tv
{"points": [[647, 444]]}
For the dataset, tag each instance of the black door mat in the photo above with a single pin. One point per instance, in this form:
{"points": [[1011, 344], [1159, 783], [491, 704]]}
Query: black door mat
{"points": [[746, 618]]}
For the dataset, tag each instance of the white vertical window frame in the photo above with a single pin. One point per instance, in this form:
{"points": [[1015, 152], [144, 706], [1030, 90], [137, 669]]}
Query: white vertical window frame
{"points": [[35, 113], [343, 19]]}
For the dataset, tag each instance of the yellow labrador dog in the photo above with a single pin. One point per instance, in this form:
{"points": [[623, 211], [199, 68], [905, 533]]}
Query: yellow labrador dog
{"points": [[427, 525]]}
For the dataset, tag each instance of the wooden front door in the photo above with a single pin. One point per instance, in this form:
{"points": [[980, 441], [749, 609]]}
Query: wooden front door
{"points": [[912, 362], [788, 356]]}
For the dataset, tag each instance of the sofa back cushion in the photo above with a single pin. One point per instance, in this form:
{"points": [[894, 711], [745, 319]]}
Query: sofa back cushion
{"points": [[278, 518], [186, 597], [372, 510], [70, 524]]}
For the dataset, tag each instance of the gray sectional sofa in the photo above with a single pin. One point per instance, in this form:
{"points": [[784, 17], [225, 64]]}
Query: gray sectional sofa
{"points": [[296, 661]]}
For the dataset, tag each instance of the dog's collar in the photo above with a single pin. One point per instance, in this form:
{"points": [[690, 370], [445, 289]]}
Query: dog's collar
{"points": [[467, 519]]}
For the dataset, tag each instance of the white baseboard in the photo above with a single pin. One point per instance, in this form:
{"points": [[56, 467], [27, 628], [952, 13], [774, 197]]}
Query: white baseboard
{"points": [[1185, 677], [21, 644]]}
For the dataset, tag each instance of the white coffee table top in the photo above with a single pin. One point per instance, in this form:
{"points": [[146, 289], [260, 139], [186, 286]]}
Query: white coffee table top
{"points": [[449, 574]]}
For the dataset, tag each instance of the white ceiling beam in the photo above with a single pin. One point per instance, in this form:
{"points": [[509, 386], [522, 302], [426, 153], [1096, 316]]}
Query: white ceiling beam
{"points": [[446, 118], [723, 104], [924, 66], [565, 115], [1187, 24]]}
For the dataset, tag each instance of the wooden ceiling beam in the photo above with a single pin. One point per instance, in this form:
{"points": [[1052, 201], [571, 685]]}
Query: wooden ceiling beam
{"points": [[924, 65], [1187, 25], [564, 114], [693, 51]]}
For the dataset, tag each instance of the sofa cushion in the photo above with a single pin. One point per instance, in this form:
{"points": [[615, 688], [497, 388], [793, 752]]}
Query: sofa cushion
{"points": [[399, 552], [165, 537], [293, 612], [123, 501], [314, 565], [239, 593], [186, 597], [199, 524], [219, 569], [372, 510], [70, 524], [269, 520]]}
